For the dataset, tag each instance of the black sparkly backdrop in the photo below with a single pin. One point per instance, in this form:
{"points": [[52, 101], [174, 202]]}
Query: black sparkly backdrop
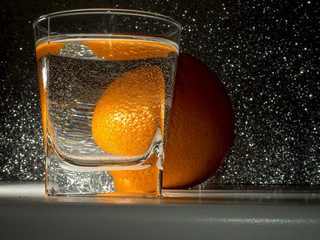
{"points": [[265, 52]]}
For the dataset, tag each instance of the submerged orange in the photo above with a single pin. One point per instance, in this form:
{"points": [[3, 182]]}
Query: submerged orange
{"points": [[130, 111]]}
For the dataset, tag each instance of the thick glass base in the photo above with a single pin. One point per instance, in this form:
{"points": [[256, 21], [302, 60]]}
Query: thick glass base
{"points": [[63, 178]]}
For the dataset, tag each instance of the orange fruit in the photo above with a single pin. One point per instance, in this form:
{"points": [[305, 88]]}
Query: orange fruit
{"points": [[129, 112], [125, 122], [201, 125]]}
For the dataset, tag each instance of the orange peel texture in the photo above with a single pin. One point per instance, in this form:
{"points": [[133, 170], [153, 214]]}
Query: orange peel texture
{"points": [[129, 112]]}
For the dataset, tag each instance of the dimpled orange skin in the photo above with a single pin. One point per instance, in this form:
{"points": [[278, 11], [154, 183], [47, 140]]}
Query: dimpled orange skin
{"points": [[201, 125], [129, 112]]}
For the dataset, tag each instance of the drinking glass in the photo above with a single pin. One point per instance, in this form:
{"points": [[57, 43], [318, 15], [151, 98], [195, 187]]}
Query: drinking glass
{"points": [[106, 80]]}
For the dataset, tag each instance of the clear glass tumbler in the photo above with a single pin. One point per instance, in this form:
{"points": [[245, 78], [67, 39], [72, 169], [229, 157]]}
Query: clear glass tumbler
{"points": [[106, 82]]}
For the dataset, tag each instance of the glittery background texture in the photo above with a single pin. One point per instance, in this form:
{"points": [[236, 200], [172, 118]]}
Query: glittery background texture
{"points": [[265, 52]]}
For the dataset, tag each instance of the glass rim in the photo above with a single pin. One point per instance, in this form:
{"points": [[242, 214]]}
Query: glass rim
{"points": [[108, 11]]}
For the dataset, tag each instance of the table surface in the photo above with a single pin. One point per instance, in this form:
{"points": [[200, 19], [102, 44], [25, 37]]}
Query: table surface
{"points": [[224, 212], [213, 195]]}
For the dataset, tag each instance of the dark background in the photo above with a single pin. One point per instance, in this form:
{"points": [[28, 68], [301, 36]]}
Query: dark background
{"points": [[265, 52]]}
